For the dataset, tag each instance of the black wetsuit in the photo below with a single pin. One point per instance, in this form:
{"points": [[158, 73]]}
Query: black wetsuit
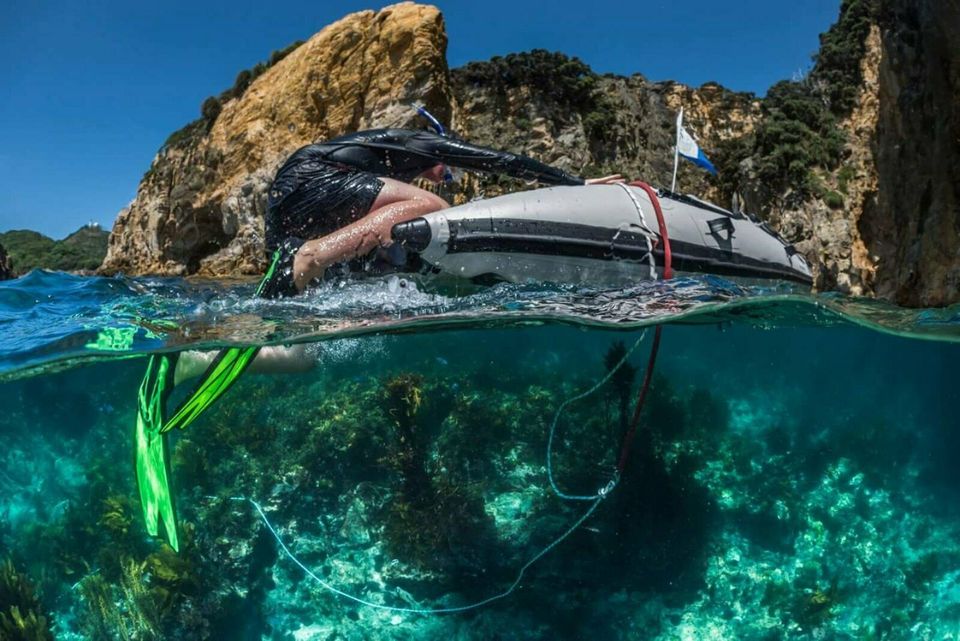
{"points": [[326, 186]]}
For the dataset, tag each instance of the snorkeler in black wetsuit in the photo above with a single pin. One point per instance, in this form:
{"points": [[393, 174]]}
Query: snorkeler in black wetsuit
{"points": [[330, 202], [338, 200]]}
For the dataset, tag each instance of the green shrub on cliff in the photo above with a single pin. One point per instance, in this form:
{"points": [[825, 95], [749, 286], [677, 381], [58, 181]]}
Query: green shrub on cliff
{"points": [[187, 135], [842, 47], [799, 132], [556, 79], [833, 200], [210, 109], [244, 78]]}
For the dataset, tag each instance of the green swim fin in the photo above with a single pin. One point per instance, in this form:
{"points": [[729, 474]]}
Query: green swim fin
{"points": [[225, 369], [153, 478], [151, 442]]}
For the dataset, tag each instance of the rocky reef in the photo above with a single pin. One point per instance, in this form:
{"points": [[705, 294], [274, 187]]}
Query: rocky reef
{"points": [[855, 163], [739, 515]]}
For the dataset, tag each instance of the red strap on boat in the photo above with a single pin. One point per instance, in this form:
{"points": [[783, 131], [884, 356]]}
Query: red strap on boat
{"points": [[652, 195], [648, 376]]}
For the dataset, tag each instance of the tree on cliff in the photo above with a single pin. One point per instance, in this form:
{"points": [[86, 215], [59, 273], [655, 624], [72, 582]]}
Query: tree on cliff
{"points": [[83, 250]]}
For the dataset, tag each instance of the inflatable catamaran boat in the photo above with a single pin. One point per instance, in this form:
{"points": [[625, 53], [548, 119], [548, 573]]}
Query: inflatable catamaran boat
{"points": [[598, 234]]}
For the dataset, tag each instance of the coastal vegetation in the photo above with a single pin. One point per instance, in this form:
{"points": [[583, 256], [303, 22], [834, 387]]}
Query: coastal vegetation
{"points": [[799, 137], [83, 250], [564, 84]]}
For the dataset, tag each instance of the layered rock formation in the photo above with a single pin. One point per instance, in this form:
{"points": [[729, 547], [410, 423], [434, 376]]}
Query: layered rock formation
{"points": [[913, 228], [556, 109], [886, 220], [200, 206], [871, 199]]}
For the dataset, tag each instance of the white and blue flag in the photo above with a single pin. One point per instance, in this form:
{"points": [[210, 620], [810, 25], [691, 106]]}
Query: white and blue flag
{"points": [[688, 148]]}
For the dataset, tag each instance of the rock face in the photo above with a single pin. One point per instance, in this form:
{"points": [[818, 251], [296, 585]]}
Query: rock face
{"points": [[897, 235], [828, 236], [6, 265], [556, 109], [913, 228], [875, 207], [200, 206]]}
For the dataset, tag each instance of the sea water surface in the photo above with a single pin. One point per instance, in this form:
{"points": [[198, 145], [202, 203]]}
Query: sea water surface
{"points": [[794, 475]]}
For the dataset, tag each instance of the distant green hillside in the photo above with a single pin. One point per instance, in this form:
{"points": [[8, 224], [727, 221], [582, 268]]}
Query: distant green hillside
{"points": [[84, 249]]}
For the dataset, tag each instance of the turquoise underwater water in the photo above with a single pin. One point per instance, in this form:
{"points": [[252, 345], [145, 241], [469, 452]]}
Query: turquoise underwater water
{"points": [[794, 475]]}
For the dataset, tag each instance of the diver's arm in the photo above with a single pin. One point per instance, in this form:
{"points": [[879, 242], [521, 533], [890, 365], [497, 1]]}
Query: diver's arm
{"points": [[362, 236]]}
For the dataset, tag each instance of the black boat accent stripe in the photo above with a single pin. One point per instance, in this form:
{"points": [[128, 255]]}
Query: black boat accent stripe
{"points": [[587, 241], [560, 231]]}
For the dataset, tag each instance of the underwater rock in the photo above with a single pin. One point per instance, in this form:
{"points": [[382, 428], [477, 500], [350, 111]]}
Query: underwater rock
{"points": [[734, 519]]}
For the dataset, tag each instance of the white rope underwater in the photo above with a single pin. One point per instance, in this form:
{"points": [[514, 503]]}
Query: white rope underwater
{"points": [[597, 498], [553, 428], [389, 608]]}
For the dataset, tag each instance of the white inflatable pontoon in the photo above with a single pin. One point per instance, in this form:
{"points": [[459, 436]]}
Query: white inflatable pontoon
{"points": [[598, 234]]}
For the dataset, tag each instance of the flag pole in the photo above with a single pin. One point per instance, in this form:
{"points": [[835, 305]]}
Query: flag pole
{"points": [[676, 151]]}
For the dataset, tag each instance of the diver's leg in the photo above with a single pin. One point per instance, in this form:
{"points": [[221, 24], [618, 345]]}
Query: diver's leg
{"points": [[397, 202], [272, 359]]}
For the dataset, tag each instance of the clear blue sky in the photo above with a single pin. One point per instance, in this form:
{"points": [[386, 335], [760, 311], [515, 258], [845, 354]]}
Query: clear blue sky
{"points": [[90, 90]]}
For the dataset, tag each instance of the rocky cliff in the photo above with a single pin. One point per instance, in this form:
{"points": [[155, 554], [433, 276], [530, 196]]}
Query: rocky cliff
{"points": [[6, 265], [913, 227], [875, 204], [200, 206], [856, 163]]}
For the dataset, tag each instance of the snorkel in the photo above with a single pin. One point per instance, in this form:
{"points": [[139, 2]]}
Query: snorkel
{"points": [[439, 129]]}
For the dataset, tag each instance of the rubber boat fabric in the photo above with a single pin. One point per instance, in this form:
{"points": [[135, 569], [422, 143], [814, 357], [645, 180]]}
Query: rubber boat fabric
{"points": [[598, 234], [592, 234], [339, 178]]}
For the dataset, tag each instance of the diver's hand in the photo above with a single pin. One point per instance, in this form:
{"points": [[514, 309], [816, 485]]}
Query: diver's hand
{"points": [[606, 180]]}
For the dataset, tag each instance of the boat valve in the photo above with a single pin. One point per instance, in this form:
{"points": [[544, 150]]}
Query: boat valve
{"points": [[413, 235]]}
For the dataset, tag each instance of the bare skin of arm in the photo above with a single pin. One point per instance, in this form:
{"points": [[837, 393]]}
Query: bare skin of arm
{"points": [[396, 203], [606, 180]]}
